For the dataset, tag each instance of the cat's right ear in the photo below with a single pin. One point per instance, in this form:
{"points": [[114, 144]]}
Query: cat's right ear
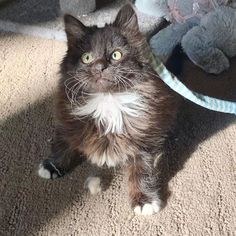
{"points": [[75, 30], [126, 19]]}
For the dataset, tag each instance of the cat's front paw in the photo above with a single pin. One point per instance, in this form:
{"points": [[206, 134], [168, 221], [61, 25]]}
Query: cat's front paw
{"points": [[93, 184], [48, 170], [148, 209]]}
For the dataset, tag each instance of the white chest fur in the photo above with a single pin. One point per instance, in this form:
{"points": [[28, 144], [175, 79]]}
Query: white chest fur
{"points": [[108, 110]]}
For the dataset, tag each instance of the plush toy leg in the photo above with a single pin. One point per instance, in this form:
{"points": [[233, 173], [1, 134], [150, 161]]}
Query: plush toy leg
{"points": [[167, 39], [209, 58], [77, 7]]}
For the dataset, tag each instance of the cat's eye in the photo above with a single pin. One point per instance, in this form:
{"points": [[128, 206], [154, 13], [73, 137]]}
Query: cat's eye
{"points": [[87, 58], [116, 55]]}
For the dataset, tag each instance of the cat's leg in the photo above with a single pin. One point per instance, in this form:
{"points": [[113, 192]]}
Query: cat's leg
{"points": [[143, 185], [61, 160], [203, 52]]}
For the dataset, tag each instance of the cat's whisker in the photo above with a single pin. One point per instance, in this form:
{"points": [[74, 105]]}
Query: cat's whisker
{"points": [[72, 89], [69, 92], [128, 69], [77, 82], [130, 83], [70, 81], [75, 88], [81, 88], [131, 72], [76, 91], [120, 80], [126, 80], [127, 85]]}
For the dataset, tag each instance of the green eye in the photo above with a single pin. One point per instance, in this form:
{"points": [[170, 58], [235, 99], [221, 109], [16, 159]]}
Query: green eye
{"points": [[116, 55], [87, 58]]}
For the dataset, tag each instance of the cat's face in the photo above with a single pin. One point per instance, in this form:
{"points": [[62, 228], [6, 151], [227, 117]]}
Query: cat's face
{"points": [[104, 60]]}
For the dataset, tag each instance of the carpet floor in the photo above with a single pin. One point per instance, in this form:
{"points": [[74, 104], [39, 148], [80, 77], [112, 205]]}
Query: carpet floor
{"points": [[198, 175]]}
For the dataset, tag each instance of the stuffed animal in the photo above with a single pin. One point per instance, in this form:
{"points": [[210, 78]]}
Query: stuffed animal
{"points": [[206, 29]]}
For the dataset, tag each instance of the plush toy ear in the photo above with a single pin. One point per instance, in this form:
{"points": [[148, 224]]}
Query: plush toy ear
{"points": [[126, 19], [75, 30]]}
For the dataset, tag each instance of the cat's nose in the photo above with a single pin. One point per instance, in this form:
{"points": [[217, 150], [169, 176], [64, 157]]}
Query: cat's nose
{"points": [[99, 66]]}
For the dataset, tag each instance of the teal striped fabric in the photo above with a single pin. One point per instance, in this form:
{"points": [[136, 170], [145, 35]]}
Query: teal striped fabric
{"points": [[175, 84]]}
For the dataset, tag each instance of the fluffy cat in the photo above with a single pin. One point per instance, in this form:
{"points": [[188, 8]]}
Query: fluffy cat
{"points": [[112, 108]]}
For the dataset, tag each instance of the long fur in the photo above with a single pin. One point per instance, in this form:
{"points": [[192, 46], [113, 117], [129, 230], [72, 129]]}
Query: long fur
{"points": [[122, 120], [109, 109]]}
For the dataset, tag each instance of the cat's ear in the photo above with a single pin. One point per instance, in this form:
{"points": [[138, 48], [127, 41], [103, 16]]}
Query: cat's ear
{"points": [[126, 19], [75, 30]]}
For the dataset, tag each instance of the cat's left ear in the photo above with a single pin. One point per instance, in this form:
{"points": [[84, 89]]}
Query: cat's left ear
{"points": [[75, 30], [127, 19]]}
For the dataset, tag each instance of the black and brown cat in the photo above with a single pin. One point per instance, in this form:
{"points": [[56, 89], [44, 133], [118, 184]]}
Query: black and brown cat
{"points": [[112, 108]]}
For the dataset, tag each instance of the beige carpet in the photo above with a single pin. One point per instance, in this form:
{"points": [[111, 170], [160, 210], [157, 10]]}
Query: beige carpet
{"points": [[199, 172]]}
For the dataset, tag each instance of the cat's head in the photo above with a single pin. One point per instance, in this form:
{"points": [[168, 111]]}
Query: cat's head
{"points": [[109, 59]]}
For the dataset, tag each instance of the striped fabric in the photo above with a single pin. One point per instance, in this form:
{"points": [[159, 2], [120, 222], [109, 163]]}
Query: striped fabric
{"points": [[200, 99]]}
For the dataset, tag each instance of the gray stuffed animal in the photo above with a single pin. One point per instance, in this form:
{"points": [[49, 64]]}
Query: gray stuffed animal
{"points": [[206, 29]]}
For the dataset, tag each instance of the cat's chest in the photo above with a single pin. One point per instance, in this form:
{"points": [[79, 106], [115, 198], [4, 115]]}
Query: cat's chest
{"points": [[111, 112]]}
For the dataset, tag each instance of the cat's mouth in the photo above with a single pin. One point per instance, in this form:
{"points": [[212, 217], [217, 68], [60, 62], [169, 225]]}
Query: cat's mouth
{"points": [[102, 84], [103, 81]]}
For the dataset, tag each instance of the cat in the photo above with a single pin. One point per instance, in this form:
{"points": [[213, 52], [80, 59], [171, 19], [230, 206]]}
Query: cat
{"points": [[112, 108]]}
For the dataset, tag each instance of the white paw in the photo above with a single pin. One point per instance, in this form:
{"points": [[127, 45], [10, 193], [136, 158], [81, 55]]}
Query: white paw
{"points": [[93, 184], [48, 170], [44, 173], [148, 209]]}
